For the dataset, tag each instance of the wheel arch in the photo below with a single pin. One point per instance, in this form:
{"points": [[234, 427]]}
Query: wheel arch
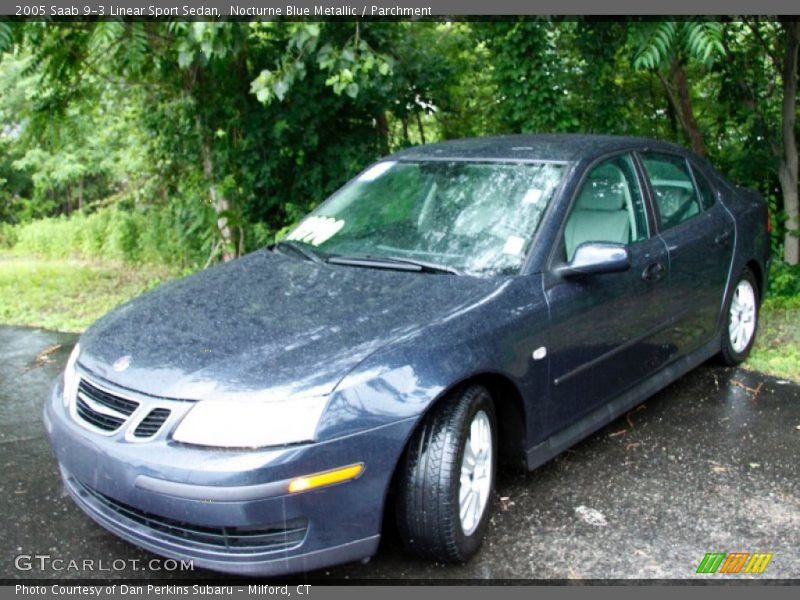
{"points": [[511, 423], [758, 273], [509, 408], [402, 500], [511, 417]]}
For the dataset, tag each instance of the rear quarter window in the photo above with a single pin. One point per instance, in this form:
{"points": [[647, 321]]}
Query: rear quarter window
{"points": [[704, 188]]}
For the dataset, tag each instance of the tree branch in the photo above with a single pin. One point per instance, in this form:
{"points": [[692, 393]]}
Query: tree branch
{"points": [[753, 25], [751, 99]]}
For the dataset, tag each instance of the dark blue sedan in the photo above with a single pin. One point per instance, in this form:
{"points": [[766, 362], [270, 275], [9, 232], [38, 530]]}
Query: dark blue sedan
{"points": [[455, 305]]}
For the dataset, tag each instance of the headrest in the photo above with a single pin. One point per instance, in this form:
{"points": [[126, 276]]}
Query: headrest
{"points": [[602, 194]]}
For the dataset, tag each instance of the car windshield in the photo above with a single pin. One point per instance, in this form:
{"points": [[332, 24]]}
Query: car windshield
{"points": [[472, 217]]}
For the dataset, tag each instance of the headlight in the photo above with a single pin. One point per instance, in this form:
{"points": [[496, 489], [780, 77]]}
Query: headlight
{"points": [[251, 423], [71, 378]]}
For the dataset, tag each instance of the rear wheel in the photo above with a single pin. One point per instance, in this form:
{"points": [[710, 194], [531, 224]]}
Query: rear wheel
{"points": [[447, 478], [741, 313]]}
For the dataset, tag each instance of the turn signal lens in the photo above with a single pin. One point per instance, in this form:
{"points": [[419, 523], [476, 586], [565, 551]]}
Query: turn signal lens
{"points": [[317, 480]]}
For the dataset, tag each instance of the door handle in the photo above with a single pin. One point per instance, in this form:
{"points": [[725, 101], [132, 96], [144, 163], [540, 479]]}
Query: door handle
{"points": [[653, 272], [723, 237]]}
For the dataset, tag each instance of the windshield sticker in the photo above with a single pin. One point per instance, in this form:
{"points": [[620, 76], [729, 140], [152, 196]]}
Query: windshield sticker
{"points": [[376, 171], [514, 245], [532, 196], [315, 230]]}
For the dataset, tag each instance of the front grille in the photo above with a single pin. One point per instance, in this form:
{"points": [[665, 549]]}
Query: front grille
{"points": [[101, 409], [265, 538], [99, 420], [122, 405], [150, 425]]}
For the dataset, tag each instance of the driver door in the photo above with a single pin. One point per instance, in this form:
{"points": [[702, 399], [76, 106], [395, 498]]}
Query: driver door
{"points": [[608, 330]]}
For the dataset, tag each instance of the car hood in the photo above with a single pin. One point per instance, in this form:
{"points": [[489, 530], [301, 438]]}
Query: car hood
{"points": [[267, 326]]}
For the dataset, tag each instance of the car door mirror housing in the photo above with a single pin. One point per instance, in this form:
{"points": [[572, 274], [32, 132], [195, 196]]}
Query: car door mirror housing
{"points": [[594, 258]]}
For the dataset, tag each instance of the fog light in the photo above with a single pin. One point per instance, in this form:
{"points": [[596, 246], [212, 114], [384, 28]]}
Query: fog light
{"points": [[309, 482]]}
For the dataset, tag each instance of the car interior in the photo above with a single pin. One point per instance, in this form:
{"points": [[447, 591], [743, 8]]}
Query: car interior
{"points": [[675, 193], [676, 201], [603, 211]]}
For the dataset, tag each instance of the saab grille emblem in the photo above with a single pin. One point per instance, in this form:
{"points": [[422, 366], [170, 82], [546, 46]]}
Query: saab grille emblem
{"points": [[735, 562], [122, 363]]}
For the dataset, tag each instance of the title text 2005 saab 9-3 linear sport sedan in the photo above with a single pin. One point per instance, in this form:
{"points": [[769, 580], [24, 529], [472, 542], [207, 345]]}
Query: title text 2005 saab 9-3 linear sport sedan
{"points": [[454, 305]]}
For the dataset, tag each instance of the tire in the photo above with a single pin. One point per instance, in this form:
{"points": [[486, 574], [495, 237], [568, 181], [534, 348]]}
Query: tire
{"points": [[741, 320], [430, 478]]}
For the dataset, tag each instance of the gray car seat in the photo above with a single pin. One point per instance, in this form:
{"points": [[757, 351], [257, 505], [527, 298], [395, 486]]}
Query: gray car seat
{"points": [[599, 215]]}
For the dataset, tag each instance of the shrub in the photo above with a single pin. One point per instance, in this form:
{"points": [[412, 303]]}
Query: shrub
{"points": [[784, 280], [257, 236], [8, 235], [174, 234]]}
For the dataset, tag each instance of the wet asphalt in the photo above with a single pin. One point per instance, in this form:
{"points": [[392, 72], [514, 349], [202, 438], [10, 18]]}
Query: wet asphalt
{"points": [[710, 464]]}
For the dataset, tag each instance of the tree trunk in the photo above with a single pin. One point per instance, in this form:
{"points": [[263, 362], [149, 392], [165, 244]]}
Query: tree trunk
{"points": [[788, 171], [684, 108], [382, 126], [218, 201], [673, 119], [421, 128]]}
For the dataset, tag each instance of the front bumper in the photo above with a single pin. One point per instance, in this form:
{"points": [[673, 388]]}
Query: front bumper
{"points": [[228, 510]]}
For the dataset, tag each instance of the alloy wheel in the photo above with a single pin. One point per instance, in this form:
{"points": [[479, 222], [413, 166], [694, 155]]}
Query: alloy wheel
{"points": [[476, 473], [742, 317]]}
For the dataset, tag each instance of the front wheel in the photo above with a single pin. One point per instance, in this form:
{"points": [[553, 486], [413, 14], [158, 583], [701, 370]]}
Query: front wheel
{"points": [[447, 478], [741, 321]]}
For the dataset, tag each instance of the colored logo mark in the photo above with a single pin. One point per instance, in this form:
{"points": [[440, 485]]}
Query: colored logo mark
{"points": [[735, 562]]}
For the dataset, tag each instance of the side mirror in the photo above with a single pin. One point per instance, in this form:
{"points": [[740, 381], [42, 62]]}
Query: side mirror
{"points": [[593, 258]]}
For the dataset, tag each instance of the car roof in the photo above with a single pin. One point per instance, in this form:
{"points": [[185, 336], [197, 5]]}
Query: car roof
{"points": [[562, 147]]}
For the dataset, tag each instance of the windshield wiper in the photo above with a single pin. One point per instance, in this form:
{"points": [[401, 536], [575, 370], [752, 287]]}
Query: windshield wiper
{"points": [[428, 267], [393, 262], [298, 249]]}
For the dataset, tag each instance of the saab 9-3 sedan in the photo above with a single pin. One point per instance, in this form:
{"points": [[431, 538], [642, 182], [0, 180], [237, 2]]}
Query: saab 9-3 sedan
{"points": [[454, 305]]}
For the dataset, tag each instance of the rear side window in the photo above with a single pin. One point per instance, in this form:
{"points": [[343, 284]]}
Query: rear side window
{"points": [[673, 186]]}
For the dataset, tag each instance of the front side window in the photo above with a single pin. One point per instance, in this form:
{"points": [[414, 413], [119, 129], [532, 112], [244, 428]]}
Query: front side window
{"points": [[608, 207], [673, 188], [478, 218]]}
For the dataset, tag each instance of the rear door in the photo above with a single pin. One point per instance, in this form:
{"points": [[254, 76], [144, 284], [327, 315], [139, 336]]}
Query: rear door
{"points": [[606, 329], [698, 232]]}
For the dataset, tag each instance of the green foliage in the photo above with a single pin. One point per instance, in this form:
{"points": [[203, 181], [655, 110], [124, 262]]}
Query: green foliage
{"points": [[165, 235], [349, 66], [6, 36], [784, 282], [704, 40], [8, 236], [533, 74], [56, 165], [186, 124], [68, 295], [657, 42], [777, 347]]}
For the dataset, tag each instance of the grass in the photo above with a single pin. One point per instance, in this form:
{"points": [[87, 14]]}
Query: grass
{"points": [[66, 294], [777, 348]]}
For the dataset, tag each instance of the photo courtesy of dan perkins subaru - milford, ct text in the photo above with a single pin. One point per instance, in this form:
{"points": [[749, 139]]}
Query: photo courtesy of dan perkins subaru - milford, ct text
{"points": [[159, 590]]}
